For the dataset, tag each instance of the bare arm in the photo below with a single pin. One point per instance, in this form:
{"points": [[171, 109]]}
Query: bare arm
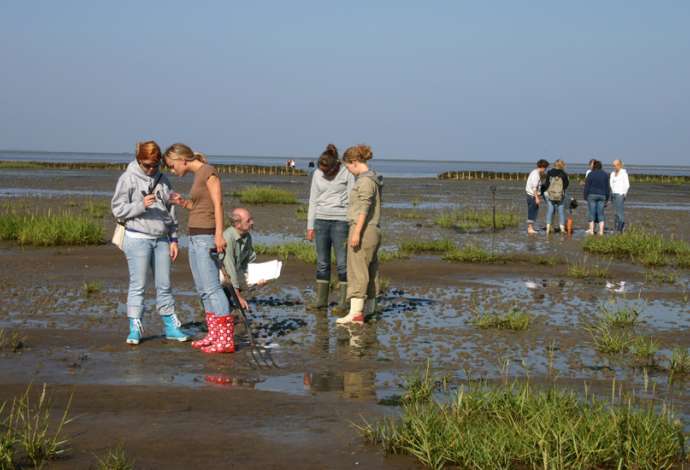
{"points": [[214, 189]]}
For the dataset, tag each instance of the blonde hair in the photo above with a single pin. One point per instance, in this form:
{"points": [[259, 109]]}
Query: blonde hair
{"points": [[184, 152], [559, 164], [358, 153]]}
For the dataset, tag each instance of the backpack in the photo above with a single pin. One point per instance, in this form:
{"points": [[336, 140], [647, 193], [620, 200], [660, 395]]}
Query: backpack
{"points": [[555, 191]]}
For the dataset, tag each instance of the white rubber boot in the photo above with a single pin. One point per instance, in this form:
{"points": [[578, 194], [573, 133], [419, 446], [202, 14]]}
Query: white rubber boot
{"points": [[356, 314]]}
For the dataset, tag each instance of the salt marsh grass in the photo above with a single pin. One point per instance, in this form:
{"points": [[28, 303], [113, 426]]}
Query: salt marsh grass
{"points": [[620, 317], [28, 432], [302, 212], [471, 253], [680, 362], [265, 195], [518, 426], [470, 219], [514, 319], [426, 246], [91, 288], [115, 459], [49, 229], [638, 246], [300, 250], [11, 341], [661, 277], [609, 340], [585, 270], [644, 350]]}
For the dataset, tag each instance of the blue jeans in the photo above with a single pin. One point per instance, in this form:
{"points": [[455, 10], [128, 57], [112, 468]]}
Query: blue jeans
{"points": [[551, 207], [595, 204], [532, 209], [205, 273], [142, 254], [618, 201], [331, 233]]}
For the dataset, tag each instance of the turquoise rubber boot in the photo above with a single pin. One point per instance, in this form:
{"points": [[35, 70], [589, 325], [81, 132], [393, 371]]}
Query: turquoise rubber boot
{"points": [[172, 328]]}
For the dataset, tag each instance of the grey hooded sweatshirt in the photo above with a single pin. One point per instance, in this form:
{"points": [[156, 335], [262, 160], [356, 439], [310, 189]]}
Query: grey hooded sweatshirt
{"points": [[127, 204], [328, 199]]}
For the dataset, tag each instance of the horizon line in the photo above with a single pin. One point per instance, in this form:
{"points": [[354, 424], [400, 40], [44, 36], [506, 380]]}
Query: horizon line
{"points": [[316, 158]]}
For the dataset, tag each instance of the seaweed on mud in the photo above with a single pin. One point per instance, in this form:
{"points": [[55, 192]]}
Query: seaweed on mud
{"points": [[277, 328]]}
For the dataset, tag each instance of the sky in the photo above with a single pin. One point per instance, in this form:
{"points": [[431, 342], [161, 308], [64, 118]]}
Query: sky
{"points": [[437, 80]]}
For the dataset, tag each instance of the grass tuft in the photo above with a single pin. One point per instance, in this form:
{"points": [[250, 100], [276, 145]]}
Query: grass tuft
{"points": [[12, 342], [515, 319], [644, 350], [680, 362], [66, 228], [660, 277], [638, 246], [265, 195], [585, 270], [29, 432], [471, 219], [518, 426], [115, 459], [426, 246], [620, 318], [609, 340], [91, 288]]}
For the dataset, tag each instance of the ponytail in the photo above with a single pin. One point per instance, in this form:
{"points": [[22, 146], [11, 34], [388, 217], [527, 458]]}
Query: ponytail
{"points": [[201, 157]]}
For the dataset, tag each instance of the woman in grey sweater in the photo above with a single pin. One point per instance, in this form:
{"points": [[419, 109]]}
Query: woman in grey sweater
{"points": [[142, 203], [327, 223]]}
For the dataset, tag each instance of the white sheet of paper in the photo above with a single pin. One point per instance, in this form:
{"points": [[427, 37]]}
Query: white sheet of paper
{"points": [[263, 271]]}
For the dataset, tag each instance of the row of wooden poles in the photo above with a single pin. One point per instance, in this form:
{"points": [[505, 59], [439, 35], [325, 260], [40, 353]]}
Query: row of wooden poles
{"points": [[259, 170], [517, 176], [221, 168]]}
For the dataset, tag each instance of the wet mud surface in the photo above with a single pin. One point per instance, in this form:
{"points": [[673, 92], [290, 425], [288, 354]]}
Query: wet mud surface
{"points": [[173, 406]]}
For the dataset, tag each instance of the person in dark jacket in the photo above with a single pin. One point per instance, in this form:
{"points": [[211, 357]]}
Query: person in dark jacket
{"points": [[597, 192], [554, 191]]}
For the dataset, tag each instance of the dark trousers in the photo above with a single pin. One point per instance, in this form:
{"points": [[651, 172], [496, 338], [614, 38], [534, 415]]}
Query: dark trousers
{"points": [[532, 209]]}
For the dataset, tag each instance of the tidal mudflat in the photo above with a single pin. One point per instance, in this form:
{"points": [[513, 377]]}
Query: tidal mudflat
{"points": [[62, 315]]}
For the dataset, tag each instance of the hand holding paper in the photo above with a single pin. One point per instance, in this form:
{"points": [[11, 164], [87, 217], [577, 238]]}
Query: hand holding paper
{"points": [[260, 273]]}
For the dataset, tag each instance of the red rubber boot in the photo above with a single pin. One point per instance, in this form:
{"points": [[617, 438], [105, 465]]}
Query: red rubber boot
{"points": [[225, 339], [210, 336]]}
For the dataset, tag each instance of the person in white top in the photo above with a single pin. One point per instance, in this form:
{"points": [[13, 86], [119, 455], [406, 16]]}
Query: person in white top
{"points": [[620, 184], [589, 166], [533, 190]]}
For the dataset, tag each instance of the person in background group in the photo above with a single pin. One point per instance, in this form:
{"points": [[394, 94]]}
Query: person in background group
{"points": [[596, 193], [142, 202], [590, 165], [205, 224], [554, 191], [533, 190], [327, 223], [364, 215], [620, 184]]}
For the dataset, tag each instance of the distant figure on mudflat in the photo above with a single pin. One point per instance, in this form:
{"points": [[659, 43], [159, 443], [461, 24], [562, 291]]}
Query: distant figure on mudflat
{"points": [[533, 190], [620, 185], [596, 193]]}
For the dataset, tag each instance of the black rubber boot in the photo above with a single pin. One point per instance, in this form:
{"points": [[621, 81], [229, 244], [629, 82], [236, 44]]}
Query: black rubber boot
{"points": [[321, 300], [343, 305]]}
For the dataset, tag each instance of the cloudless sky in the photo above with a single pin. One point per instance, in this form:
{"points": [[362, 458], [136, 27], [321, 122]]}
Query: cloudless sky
{"points": [[449, 80]]}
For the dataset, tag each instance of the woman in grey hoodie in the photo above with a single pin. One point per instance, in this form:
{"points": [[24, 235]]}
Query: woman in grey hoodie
{"points": [[331, 184], [142, 203]]}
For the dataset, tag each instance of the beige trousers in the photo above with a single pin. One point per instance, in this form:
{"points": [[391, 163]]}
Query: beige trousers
{"points": [[363, 264]]}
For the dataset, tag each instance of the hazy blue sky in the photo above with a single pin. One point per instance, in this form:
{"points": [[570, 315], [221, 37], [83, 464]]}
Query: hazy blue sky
{"points": [[433, 80]]}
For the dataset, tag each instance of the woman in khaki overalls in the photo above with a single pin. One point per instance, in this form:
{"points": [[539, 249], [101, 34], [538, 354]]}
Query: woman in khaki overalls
{"points": [[363, 215]]}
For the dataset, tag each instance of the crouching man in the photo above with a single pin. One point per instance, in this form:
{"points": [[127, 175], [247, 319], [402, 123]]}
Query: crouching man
{"points": [[239, 252]]}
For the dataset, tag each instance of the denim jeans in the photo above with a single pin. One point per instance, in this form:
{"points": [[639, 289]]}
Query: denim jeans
{"points": [[142, 254], [331, 233], [205, 273], [532, 209], [618, 201], [595, 204], [551, 207]]}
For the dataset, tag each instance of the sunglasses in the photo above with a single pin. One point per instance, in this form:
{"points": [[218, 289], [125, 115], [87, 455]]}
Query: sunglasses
{"points": [[148, 166]]}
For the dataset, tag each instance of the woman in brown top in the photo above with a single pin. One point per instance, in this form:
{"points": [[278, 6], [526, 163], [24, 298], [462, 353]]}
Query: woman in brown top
{"points": [[205, 207], [363, 214]]}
